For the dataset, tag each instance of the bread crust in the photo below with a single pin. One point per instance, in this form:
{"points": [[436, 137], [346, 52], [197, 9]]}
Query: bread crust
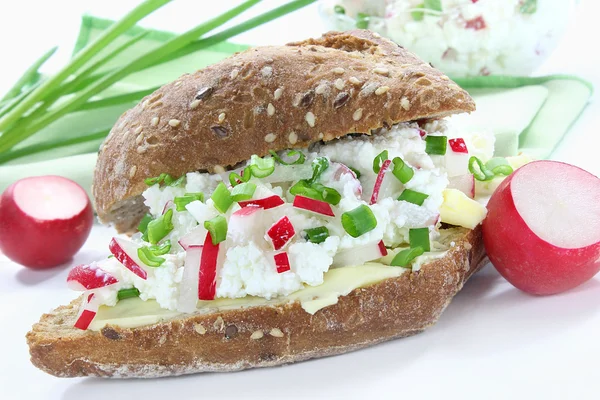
{"points": [[228, 340], [266, 98]]}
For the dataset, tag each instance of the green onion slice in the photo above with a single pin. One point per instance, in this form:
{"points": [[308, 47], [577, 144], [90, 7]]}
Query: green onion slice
{"points": [[499, 166], [292, 153], [160, 227], [159, 250], [143, 226], [235, 178], [359, 221], [479, 170], [436, 145], [339, 9], [182, 201], [243, 191], [404, 257], [261, 167], [178, 182], [378, 161], [127, 293], [222, 198], [319, 165], [412, 196], [146, 256], [317, 235], [401, 171], [304, 188], [356, 172], [419, 237], [362, 20], [316, 191], [217, 227]]}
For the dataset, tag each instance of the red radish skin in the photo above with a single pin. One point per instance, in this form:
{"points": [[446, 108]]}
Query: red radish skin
{"points": [[88, 277], [44, 221], [280, 233], [379, 180], [542, 253], [458, 145], [85, 319], [126, 252], [266, 203], [316, 206], [282, 262], [208, 270]]}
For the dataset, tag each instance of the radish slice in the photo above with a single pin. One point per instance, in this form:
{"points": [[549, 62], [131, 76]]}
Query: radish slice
{"points": [[281, 233], [188, 291], [87, 312], [384, 168], [360, 255], [282, 262], [266, 203], [316, 206], [168, 205], [456, 163], [208, 270], [243, 223], [465, 183], [458, 145], [87, 277], [342, 170], [126, 252], [195, 237]]}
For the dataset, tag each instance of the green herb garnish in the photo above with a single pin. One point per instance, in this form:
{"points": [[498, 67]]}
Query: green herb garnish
{"points": [[317, 235], [182, 201], [127, 293]]}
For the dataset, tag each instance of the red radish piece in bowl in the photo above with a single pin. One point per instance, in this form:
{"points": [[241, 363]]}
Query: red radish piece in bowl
{"points": [[87, 277], [44, 220], [542, 230]]}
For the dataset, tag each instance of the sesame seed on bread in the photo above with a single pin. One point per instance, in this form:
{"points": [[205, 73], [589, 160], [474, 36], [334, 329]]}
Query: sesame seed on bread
{"points": [[267, 98]]}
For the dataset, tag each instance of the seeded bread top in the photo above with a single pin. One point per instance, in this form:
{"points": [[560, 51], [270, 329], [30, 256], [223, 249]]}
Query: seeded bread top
{"points": [[276, 97]]}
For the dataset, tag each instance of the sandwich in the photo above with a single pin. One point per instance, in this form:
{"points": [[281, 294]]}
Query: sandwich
{"points": [[287, 203]]}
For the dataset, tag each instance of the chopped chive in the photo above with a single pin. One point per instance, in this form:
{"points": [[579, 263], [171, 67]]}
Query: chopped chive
{"points": [[319, 165], [160, 227], [243, 191], [419, 237], [222, 198], [182, 201], [143, 226], [292, 153], [401, 171], [362, 20], [217, 227], [159, 250], [339, 9], [261, 167], [404, 257], [499, 166], [317, 235], [378, 161], [356, 172], [359, 221], [146, 256], [413, 196], [127, 293], [479, 170], [436, 145]]}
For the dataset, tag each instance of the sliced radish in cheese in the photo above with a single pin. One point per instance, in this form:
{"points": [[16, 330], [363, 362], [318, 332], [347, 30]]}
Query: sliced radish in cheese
{"points": [[316, 206], [458, 145], [126, 252], [342, 170], [266, 203], [87, 311], [465, 183], [188, 291], [282, 262], [208, 270], [243, 224], [280, 233], [360, 255], [377, 188], [195, 237], [87, 277], [168, 205]]}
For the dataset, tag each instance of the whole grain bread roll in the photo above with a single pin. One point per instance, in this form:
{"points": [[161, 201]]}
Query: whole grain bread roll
{"points": [[267, 98]]}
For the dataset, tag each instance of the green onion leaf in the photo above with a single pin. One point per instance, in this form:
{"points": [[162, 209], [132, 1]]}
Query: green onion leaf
{"points": [[235, 178], [182, 201], [319, 165], [146, 256], [404, 257], [479, 170], [356, 172], [327, 194], [362, 20], [436, 145], [401, 171], [127, 293], [359, 221], [499, 166], [243, 191], [413, 196], [159, 250], [419, 237], [222, 198], [143, 226], [304, 188], [261, 167], [160, 227], [29, 76], [378, 161], [339, 9], [435, 5], [217, 227], [317, 235], [528, 7], [292, 153]]}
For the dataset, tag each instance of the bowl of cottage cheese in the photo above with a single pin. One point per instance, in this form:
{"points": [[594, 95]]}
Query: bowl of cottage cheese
{"points": [[462, 37]]}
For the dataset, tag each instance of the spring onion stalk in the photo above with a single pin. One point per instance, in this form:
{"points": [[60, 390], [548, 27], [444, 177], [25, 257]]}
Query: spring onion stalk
{"points": [[217, 227], [413, 196], [499, 166], [401, 171], [159, 250], [436, 145], [378, 160], [146, 256], [28, 77], [317, 235], [359, 221], [243, 191], [127, 293], [406, 256], [182, 201], [292, 153], [479, 171], [160, 227], [419, 237], [8, 105], [12, 137], [222, 198], [261, 167]]}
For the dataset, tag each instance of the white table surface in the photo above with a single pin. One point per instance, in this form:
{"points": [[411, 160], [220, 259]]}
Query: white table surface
{"points": [[493, 342]]}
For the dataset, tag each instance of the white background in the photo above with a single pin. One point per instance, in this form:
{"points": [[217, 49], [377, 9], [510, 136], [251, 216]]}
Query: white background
{"points": [[493, 342]]}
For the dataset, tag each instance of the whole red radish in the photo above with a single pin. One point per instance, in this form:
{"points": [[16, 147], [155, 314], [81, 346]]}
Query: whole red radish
{"points": [[542, 230], [44, 221]]}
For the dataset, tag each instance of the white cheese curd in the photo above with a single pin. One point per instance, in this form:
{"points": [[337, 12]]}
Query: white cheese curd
{"points": [[246, 263]]}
